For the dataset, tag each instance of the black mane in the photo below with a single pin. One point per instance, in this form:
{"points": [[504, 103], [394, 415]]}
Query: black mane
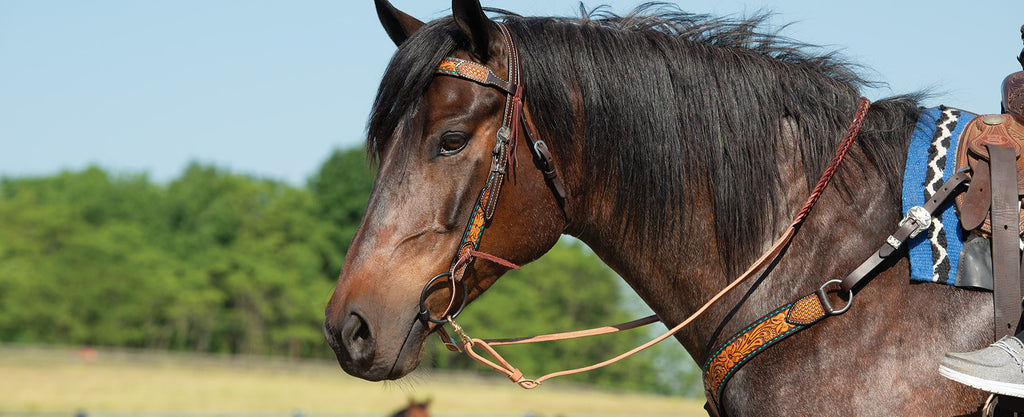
{"points": [[690, 98]]}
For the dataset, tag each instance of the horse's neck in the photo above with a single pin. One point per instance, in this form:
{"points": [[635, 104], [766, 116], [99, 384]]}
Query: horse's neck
{"points": [[676, 276]]}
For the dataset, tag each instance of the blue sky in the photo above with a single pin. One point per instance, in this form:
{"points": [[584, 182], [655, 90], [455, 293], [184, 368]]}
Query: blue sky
{"points": [[270, 88]]}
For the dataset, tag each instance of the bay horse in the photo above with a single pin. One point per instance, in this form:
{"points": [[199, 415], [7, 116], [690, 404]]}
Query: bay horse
{"points": [[414, 409], [678, 147]]}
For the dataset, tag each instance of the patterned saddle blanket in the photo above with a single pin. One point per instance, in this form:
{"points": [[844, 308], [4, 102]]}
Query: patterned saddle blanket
{"points": [[935, 254]]}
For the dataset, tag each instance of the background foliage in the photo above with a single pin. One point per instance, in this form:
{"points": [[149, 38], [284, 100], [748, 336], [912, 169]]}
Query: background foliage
{"points": [[219, 262]]}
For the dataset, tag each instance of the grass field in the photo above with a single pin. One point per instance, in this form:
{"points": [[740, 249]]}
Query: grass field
{"points": [[43, 379]]}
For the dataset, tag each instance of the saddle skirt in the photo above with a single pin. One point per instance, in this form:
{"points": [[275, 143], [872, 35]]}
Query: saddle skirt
{"points": [[935, 253], [941, 255]]}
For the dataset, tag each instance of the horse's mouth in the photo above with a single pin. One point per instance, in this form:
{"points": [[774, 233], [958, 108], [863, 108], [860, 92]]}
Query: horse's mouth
{"points": [[380, 366], [411, 353]]}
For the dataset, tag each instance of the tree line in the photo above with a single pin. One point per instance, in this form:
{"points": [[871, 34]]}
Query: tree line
{"points": [[215, 261]]}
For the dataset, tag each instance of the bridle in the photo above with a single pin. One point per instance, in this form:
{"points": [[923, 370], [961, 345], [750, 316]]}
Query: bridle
{"points": [[502, 160]]}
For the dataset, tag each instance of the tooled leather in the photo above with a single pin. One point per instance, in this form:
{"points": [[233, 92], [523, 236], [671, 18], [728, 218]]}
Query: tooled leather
{"points": [[973, 204]]}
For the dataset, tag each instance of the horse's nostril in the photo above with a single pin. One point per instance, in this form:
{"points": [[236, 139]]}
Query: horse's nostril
{"points": [[356, 328], [357, 338]]}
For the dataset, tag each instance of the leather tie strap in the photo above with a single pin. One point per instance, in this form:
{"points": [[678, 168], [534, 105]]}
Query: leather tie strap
{"points": [[917, 220], [1005, 240]]}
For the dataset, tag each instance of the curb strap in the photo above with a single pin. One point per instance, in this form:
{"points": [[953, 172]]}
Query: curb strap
{"points": [[812, 308]]}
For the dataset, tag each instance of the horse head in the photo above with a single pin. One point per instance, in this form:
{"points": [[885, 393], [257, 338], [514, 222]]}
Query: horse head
{"points": [[437, 141]]}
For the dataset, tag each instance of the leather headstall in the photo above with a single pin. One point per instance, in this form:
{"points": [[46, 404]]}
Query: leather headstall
{"points": [[502, 158]]}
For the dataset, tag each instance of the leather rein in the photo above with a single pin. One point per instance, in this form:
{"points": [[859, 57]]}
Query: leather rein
{"points": [[778, 324]]}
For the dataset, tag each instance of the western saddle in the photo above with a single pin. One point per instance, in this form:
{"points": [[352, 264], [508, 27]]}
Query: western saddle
{"points": [[991, 147]]}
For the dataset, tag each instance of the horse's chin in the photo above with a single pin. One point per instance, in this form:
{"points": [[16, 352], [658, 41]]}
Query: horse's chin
{"points": [[411, 354]]}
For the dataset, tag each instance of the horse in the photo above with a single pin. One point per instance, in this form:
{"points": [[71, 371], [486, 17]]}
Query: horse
{"points": [[678, 147], [414, 409]]}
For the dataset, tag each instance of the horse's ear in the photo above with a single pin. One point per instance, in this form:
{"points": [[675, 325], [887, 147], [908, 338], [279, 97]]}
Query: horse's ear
{"points": [[397, 24], [470, 17]]}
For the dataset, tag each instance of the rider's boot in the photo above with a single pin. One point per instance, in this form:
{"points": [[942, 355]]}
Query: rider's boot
{"points": [[998, 368]]}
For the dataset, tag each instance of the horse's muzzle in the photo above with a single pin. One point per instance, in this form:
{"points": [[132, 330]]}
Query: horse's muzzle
{"points": [[352, 340]]}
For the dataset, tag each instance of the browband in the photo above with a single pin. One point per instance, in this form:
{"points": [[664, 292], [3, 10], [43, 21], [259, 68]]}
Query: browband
{"points": [[474, 72]]}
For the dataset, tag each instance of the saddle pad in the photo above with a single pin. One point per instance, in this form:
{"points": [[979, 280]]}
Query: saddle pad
{"points": [[931, 160]]}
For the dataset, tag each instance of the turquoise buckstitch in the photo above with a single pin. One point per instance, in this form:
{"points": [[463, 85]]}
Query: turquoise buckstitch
{"points": [[721, 385], [469, 226], [744, 331]]}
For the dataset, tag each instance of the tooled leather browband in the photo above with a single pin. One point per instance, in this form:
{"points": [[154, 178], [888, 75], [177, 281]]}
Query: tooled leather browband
{"points": [[473, 71]]}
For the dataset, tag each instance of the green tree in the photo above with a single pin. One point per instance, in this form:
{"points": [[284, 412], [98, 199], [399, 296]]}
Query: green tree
{"points": [[342, 188], [221, 262]]}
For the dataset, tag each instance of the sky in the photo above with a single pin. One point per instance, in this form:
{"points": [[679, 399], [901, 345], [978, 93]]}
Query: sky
{"points": [[271, 88]]}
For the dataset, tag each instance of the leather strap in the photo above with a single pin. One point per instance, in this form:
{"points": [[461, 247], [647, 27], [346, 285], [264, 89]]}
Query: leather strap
{"points": [[470, 70], [976, 201], [760, 335], [915, 222], [1006, 260]]}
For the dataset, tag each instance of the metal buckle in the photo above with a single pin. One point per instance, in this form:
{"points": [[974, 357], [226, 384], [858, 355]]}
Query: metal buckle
{"points": [[921, 217]]}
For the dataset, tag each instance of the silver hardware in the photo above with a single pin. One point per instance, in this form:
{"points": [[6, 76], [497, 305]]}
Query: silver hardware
{"points": [[826, 305], [504, 133], [892, 241], [922, 220], [994, 120]]}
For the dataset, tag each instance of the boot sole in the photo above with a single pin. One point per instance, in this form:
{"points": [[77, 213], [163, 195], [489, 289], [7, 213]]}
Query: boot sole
{"points": [[1004, 388]]}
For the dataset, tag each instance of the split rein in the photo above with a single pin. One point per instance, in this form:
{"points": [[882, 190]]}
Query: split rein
{"points": [[483, 210], [504, 367]]}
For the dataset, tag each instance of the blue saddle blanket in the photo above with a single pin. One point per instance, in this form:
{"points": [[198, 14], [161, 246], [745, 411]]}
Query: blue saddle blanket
{"points": [[931, 160]]}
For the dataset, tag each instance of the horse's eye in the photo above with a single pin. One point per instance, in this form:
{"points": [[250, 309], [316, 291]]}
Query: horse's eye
{"points": [[453, 143]]}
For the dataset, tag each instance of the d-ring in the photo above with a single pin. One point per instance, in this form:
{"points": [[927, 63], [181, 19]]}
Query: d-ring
{"points": [[425, 312], [826, 305]]}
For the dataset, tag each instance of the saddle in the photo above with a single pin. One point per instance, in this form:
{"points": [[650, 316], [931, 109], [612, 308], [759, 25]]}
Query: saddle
{"points": [[991, 147]]}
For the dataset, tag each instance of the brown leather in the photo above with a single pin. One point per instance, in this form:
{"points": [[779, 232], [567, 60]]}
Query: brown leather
{"points": [[1004, 130], [1005, 240], [975, 202], [1013, 93], [895, 241]]}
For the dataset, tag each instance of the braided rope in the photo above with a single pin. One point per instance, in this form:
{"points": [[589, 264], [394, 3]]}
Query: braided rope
{"points": [[833, 166]]}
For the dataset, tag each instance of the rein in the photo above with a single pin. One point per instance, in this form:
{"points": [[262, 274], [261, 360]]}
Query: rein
{"points": [[514, 374], [799, 314]]}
